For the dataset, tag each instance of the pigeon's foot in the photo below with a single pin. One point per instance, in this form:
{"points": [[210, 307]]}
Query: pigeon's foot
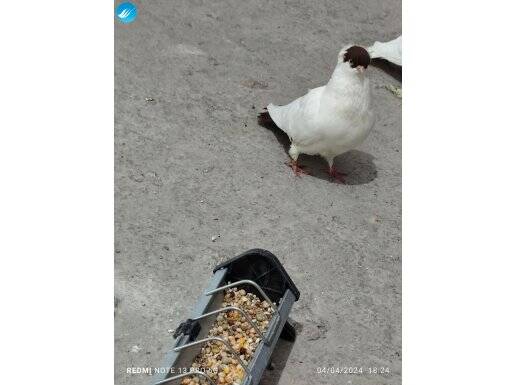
{"points": [[298, 170], [338, 176]]}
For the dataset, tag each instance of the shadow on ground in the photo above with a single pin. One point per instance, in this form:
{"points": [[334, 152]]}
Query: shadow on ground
{"points": [[391, 69], [357, 165], [279, 359]]}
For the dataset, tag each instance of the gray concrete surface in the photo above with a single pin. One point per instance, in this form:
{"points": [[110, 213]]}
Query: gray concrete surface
{"points": [[194, 164]]}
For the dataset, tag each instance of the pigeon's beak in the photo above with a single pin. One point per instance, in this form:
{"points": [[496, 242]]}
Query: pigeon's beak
{"points": [[360, 69]]}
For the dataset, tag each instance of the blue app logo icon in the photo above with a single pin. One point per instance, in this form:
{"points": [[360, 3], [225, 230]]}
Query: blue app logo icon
{"points": [[126, 12]]}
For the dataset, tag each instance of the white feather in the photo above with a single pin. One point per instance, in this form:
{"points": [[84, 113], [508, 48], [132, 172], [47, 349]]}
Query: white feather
{"points": [[331, 119], [391, 50]]}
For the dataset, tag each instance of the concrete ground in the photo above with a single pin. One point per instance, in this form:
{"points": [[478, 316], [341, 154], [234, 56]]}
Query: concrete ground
{"points": [[192, 164]]}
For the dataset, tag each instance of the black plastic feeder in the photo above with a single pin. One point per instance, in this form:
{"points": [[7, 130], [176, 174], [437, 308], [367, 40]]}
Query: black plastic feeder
{"points": [[257, 271]]}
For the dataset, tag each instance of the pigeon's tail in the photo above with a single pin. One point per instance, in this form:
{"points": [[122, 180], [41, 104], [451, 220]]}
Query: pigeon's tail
{"points": [[265, 120]]}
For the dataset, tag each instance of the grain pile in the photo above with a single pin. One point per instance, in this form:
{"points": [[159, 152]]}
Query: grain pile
{"points": [[215, 359]]}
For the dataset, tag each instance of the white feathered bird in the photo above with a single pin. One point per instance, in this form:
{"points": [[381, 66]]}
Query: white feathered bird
{"points": [[331, 119], [391, 50]]}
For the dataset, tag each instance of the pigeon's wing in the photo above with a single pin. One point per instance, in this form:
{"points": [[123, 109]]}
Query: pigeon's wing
{"points": [[391, 51], [298, 118]]}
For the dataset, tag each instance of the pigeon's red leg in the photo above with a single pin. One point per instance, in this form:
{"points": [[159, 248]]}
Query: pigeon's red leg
{"points": [[337, 175], [298, 170]]}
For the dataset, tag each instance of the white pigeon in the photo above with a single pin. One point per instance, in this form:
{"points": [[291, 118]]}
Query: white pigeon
{"points": [[331, 119], [391, 50]]}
